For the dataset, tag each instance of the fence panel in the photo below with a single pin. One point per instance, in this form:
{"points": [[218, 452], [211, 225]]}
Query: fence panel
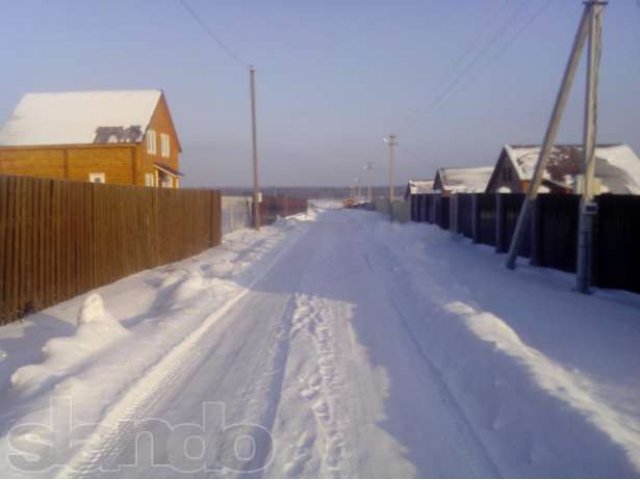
{"points": [[442, 212], [60, 238], [617, 242], [274, 206], [485, 218], [465, 213], [413, 202], [508, 207], [421, 207], [555, 231]]}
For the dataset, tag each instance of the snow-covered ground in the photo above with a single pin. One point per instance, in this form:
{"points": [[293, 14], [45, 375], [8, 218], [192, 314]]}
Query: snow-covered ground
{"points": [[334, 344]]}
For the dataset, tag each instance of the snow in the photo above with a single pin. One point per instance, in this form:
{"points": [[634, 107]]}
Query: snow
{"points": [[335, 344], [417, 187], [465, 180], [625, 181], [71, 118]]}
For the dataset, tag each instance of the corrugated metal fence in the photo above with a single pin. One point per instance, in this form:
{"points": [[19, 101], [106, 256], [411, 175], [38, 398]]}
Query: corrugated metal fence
{"points": [[236, 213], [59, 239], [551, 239]]}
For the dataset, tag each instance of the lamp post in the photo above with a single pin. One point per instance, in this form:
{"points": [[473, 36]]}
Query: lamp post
{"points": [[391, 141]]}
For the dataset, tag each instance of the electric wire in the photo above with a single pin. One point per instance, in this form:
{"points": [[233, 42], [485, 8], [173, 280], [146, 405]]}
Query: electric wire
{"points": [[465, 75], [501, 50], [484, 48], [209, 31]]}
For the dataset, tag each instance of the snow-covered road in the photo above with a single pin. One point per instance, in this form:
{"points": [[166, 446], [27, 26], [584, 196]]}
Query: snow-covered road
{"points": [[350, 348]]}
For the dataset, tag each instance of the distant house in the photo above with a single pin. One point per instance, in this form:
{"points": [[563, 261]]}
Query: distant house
{"points": [[462, 180], [617, 169], [417, 187], [123, 137]]}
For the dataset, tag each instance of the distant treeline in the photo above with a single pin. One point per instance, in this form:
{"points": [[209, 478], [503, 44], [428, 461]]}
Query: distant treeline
{"points": [[313, 192]]}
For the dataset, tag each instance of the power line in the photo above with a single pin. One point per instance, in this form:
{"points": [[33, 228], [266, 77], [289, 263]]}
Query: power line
{"points": [[502, 49], [439, 101], [486, 46], [460, 59], [212, 35]]}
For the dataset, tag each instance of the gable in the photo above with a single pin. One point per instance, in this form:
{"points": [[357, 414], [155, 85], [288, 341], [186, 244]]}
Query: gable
{"points": [[504, 176], [161, 120]]}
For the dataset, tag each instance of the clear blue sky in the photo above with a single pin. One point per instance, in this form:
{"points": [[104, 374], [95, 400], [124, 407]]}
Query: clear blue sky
{"points": [[333, 77]]}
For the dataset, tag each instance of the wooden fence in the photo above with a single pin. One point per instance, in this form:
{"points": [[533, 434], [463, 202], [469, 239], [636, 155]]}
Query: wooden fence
{"points": [[274, 206], [59, 238], [551, 236]]}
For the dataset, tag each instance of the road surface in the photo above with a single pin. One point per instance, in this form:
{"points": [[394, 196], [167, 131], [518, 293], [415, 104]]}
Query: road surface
{"points": [[333, 345], [318, 368]]}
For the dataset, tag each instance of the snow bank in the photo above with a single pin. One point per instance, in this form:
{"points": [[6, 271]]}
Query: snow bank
{"points": [[97, 330], [537, 416], [92, 348]]}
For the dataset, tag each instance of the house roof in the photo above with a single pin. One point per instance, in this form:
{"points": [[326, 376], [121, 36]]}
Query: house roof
{"points": [[76, 118], [415, 187], [470, 180], [617, 166]]}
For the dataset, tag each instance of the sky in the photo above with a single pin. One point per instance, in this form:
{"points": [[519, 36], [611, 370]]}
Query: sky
{"points": [[455, 80]]}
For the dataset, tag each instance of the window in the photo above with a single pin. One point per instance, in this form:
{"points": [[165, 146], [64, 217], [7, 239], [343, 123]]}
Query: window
{"points": [[165, 149], [97, 177], [151, 142], [149, 180]]}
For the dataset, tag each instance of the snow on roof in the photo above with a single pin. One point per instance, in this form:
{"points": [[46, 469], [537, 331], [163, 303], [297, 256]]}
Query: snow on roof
{"points": [[617, 166], [469, 180], [73, 118], [417, 187]]}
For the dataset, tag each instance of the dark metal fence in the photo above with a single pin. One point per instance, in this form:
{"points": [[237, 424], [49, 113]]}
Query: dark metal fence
{"points": [[555, 231], [551, 236], [484, 218], [617, 242]]}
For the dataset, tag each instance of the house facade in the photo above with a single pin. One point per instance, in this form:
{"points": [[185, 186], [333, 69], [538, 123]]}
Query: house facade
{"points": [[617, 169], [118, 137]]}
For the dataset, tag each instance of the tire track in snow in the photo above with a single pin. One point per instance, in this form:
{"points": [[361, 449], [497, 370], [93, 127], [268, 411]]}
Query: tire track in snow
{"points": [[467, 439], [320, 389], [145, 393]]}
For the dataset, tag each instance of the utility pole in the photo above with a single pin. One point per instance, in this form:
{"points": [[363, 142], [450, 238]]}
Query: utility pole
{"points": [[588, 209], [369, 167], [550, 135], [256, 183], [391, 141]]}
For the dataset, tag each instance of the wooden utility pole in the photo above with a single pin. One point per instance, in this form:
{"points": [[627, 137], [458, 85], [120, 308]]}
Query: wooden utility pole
{"points": [[550, 136], [391, 141], [256, 183], [588, 209], [369, 167]]}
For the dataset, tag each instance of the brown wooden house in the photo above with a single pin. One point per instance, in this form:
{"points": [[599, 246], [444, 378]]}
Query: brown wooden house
{"points": [[617, 169], [123, 137]]}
